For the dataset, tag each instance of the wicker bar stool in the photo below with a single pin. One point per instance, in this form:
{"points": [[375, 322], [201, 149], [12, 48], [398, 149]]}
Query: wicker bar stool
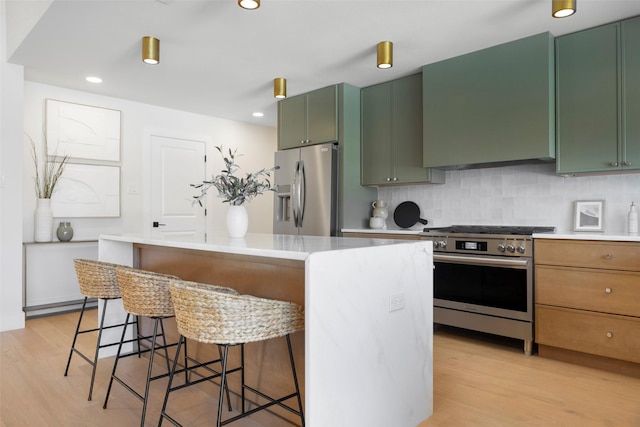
{"points": [[207, 315], [144, 294], [97, 279]]}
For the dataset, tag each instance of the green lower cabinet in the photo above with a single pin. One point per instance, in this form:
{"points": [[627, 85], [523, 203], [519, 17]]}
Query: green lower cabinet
{"points": [[392, 134], [598, 99]]}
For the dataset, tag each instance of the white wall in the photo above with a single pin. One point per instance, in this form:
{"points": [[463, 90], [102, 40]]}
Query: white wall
{"points": [[517, 195], [22, 109], [256, 144], [11, 189]]}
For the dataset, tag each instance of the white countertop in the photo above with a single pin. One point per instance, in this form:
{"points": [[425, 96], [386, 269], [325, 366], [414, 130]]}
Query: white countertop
{"points": [[557, 235], [254, 244], [588, 236], [381, 231]]}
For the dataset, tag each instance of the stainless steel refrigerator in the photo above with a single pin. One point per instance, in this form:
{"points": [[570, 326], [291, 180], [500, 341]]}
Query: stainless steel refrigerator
{"points": [[306, 195]]}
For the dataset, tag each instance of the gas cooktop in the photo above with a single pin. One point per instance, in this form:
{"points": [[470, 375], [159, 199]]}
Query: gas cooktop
{"points": [[491, 229]]}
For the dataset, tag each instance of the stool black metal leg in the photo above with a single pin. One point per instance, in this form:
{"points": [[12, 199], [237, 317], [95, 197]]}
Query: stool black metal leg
{"points": [[115, 362], [187, 375], [75, 337], [223, 383], [95, 357], [242, 375], [164, 344], [151, 354], [226, 386], [295, 379], [182, 340], [138, 334]]}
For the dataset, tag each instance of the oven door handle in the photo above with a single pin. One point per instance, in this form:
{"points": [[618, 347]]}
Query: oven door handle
{"points": [[497, 262]]}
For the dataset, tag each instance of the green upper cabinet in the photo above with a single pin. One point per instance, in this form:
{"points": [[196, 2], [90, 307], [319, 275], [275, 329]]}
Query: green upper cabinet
{"points": [[631, 93], [598, 99], [490, 106], [311, 118], [331, 114], [392, 134]]}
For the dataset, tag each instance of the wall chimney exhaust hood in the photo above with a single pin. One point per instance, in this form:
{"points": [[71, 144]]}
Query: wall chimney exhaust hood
{"points": [[491, 107]]}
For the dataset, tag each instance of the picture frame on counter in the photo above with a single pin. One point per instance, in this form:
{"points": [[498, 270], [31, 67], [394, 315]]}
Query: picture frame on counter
{"points": [[588, 215]]}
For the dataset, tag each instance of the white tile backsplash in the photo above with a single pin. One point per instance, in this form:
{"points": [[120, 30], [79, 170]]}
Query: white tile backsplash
{"points": [[517, 195]]}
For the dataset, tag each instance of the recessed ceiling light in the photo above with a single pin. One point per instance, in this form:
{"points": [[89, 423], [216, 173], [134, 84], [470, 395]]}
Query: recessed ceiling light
{"points": [[258, 114], [249, 4], [94, 79]]}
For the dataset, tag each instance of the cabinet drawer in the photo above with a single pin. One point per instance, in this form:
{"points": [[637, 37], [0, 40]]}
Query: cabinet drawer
{"points": [[590, 254], [588, 289], [605, 335]]}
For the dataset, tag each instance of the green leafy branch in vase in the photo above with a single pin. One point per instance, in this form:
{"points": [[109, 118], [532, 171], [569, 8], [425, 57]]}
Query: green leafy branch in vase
{"points": [[235, 190]]}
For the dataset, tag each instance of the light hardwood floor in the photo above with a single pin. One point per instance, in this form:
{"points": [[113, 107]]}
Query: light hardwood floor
{"points": [[479, 380]]}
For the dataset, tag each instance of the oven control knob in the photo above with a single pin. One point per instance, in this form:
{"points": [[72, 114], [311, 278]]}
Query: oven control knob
{"points": [[442, 244], [511, 248], [501, 247], [521, 249]]}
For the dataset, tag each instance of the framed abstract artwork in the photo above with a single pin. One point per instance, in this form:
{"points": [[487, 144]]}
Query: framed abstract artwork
{"points": [[87, 191], [589, 215], [82, 131]]}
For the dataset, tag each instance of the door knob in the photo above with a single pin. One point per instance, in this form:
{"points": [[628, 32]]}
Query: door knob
{"points": [[156, 224]]}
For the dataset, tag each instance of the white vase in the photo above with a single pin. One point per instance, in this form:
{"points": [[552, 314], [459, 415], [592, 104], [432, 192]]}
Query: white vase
{"points": [[43, 226], [237, 221]]}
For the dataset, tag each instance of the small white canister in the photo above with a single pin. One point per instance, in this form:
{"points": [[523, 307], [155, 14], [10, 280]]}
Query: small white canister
{"points": [[633, 219], [376, 222]]}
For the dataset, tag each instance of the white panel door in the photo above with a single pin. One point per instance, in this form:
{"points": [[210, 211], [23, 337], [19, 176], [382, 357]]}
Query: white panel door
{"points": [[176, 163]]}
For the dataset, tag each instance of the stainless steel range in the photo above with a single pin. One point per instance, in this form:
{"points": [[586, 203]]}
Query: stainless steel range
{"points": [[483, 278]]}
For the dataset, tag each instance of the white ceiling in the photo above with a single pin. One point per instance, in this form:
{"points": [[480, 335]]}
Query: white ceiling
{"points": [[220, 60]]}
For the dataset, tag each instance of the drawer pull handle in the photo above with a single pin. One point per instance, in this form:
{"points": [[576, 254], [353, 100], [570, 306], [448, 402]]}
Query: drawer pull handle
{"points": [[608, 256], [609, 335], [607, 290]]}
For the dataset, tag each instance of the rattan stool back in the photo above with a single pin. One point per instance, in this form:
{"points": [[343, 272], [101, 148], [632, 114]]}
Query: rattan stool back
{"points": [[211, 314], [214, 315], [97, 279], [145, 293]]}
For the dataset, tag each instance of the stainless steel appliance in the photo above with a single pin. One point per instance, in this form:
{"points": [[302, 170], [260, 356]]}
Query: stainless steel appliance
{"points": [[483, 278], [306, 195]]}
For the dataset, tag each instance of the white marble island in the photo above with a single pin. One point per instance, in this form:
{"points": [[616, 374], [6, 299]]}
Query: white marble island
{"points": [[368, 334]]}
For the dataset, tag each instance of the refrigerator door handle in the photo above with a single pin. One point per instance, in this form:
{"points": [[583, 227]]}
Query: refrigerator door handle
{"points": [[295, 195], [303, 193]]}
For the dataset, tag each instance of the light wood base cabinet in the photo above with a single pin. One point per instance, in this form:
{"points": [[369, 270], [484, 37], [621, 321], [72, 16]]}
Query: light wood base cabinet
{"points": [[587, 299], [606, 335]]}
